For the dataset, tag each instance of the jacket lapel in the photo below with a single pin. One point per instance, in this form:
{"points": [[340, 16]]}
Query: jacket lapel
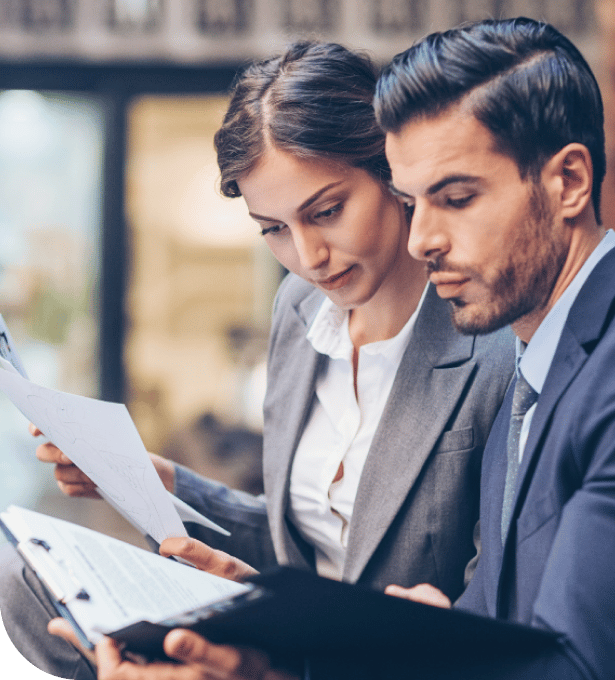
{"points": [[292, 375], [587, 319], [429, 382]]}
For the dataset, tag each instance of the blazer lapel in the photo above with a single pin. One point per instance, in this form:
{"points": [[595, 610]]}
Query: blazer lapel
{"points": [[429, 382], [587, 317], [291, 396]]}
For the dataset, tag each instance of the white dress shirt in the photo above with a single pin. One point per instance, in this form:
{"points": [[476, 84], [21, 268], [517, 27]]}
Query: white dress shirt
{"points": [[535, 361], [340, 429]]}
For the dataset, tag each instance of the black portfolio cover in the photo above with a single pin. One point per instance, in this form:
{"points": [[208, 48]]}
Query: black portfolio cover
{"points": [[296, 613]]}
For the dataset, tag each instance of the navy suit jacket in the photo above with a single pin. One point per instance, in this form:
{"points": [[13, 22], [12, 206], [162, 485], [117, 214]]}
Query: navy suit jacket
{"points": [[556, 569]]}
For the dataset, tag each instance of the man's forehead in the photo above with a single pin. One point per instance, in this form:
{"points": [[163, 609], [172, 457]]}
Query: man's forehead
{"points": [[425, 151]]}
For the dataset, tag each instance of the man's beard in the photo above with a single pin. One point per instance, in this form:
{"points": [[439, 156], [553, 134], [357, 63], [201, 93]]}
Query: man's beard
{"points": [[525, 282]]}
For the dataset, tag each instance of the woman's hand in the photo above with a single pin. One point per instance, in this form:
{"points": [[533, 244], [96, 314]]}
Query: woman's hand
{"points": [[71, 480], [75, 483], [207, 559]]}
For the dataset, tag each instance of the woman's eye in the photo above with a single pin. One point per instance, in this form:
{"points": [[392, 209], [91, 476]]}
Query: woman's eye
{"points": [[329, 212], [275, 229]]}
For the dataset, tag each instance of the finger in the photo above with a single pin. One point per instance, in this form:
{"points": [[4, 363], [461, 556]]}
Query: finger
{"points": [[34, 431], [197, 553], [108, 657], [71, 474], [424, 593], [79, 490], [206, 559], [49, 453], [189, 647], [62, 628]]}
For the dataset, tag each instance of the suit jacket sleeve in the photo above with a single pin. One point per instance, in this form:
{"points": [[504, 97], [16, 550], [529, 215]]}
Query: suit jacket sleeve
{"points": [[244, 515], [577, 590]]}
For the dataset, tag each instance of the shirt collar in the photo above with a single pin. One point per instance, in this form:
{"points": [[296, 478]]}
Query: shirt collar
{"points": [[329, 334], [536, 360]]}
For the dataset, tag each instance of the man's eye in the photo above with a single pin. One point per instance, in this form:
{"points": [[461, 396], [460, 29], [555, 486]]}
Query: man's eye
{"points": [[275, 229], [460, 202]]}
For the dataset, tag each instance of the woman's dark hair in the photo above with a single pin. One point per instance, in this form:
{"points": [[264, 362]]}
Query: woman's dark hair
{"points": [[314, 101], [525, 82]]}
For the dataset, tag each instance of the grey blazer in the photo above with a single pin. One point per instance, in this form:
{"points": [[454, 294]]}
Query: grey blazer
{"points": [[417, 501]]}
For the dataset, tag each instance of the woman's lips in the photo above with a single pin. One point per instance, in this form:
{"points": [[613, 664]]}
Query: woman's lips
{"points": [[335, 281]]}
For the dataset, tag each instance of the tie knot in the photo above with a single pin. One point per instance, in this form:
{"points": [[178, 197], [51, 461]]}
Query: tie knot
{"points": [[524, 397]]}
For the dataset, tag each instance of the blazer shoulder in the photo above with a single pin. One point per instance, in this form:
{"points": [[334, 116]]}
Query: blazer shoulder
{"points": [[292, 293]]}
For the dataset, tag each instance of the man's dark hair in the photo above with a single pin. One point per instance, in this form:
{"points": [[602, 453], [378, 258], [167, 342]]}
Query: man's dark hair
{"points": [[525, 82]]}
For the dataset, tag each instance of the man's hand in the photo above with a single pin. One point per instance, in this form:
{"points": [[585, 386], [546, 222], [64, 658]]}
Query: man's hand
{"points": [[199, 659], [63, 629], [207, 559], [422, 593], [75, 483]]}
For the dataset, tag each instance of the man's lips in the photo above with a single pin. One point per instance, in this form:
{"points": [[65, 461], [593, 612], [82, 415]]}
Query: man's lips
{"points": [[447, 284], [335, 281]]}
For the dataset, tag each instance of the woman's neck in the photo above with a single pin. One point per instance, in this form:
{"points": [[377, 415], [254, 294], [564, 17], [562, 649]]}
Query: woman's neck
{"points": [[388, 311]]}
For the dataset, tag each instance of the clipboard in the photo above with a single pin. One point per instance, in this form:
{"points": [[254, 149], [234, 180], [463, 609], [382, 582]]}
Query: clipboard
{"points": [[99, 583], [55, 576]]}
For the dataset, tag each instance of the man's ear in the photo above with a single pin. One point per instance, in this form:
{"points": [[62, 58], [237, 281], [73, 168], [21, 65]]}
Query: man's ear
{"points": [[569, 174]]}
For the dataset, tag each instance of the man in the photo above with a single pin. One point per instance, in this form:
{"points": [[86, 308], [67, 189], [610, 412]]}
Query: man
{"points": [[495, 140]]}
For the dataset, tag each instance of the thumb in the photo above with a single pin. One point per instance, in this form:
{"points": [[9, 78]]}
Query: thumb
{"points": [[189, 647]]}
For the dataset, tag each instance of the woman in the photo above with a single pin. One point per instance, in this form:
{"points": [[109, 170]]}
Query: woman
{"points": [[376, 410]]}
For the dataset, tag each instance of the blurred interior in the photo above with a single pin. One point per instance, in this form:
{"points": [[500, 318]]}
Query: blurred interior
{"points": [[124, 275]]}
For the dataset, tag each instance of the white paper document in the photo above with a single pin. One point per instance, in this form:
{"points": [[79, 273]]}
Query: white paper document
{"points": [[101, 439], [107, 584], [8, 350]]}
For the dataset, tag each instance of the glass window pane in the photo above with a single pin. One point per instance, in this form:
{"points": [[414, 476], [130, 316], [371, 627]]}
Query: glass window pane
{"points": [[50, 184]]}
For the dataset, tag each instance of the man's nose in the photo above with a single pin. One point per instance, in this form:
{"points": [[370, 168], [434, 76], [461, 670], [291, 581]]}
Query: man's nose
{"points": [[428, 238]]}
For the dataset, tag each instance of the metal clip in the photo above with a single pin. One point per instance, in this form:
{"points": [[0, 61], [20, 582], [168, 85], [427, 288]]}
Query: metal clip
{"points": [[55, 573]]}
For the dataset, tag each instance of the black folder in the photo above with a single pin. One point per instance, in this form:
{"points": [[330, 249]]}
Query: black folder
{"points": [[295, 613]]}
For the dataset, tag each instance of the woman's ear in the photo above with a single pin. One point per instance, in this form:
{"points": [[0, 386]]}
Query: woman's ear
{"points": [[569, 173]]}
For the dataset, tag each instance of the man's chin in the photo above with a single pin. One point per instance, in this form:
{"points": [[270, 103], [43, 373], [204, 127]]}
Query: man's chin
{"points": [[474, 319]]}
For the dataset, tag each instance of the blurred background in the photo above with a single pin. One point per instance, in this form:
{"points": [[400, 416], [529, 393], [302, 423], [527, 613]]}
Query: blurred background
{"points": [[123, 274]]}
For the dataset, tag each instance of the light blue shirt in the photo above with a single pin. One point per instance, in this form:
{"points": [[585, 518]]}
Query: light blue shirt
{"points": [[535, 361]]}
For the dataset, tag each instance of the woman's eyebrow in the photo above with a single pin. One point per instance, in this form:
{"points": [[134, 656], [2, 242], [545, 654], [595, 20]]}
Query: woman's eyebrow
{"points": [[306, 204], [314, 197]]}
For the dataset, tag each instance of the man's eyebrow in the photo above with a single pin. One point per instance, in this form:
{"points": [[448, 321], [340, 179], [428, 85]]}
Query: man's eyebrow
{"points": [[306, 204], [434, 188], [451, 179]]}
